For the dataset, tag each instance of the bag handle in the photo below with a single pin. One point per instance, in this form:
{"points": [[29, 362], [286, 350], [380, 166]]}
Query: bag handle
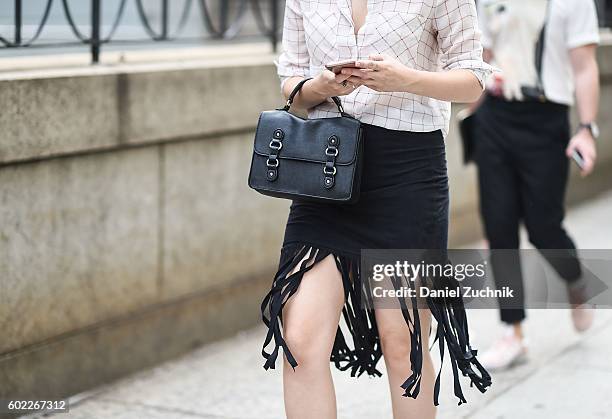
{"points": [[298, 87]]}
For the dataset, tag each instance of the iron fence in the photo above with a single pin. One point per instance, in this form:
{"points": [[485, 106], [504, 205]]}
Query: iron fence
{"points": [[219, 25], [266, 15]]}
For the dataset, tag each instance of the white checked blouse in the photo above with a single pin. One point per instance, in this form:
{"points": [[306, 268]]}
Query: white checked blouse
{"points": [[431, 35]]}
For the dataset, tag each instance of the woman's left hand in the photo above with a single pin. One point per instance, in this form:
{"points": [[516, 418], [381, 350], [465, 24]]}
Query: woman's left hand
{"points": [[382, 73]]}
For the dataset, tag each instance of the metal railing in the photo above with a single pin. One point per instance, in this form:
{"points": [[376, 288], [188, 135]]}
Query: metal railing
{"points": [[218, 26]]}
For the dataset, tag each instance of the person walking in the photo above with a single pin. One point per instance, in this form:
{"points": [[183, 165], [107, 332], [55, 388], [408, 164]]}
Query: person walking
{"points": [[411, 60], [523, 145]]}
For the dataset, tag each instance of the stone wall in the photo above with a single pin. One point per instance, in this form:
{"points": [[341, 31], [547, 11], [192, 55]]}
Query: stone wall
{"points": [[128, 233]]}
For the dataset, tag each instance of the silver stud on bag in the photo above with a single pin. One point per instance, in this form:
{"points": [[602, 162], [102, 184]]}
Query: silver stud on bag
{"points": [[278, 134]]}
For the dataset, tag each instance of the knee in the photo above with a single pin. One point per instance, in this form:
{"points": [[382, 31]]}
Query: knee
{"points": [[307, 346], [396, 349], [547, 235], [502, 234]]}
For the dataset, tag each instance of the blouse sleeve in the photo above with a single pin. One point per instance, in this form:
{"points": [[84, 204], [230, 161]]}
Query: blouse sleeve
{"points": [[294, 60], [459, 38]]}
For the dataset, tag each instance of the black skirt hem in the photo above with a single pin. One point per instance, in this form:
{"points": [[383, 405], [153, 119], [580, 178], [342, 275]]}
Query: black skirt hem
{"points": [[366, 351]]}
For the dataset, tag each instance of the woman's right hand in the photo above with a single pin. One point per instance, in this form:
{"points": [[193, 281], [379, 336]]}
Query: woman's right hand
{"points": [[327, 84], [317, 90]]}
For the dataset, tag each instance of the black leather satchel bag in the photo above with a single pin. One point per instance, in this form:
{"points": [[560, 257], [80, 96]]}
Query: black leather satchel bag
{"points": [[307, 159]]}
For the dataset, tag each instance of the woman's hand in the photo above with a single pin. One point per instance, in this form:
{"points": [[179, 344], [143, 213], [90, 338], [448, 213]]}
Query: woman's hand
{"points": [[328, 84], [319, 89], [382, 73], [386, 74]]}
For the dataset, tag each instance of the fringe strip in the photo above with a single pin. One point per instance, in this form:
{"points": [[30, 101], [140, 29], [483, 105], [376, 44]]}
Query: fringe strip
{"points": [[452, 330]]}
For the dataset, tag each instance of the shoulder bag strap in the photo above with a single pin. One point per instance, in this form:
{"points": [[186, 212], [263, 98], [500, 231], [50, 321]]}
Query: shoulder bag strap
{"points": [[539, 59]]}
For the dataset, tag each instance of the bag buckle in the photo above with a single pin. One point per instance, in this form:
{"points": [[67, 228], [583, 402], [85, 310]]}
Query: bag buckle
{"points": [[331, 152], [276, 145], [330, 172]]}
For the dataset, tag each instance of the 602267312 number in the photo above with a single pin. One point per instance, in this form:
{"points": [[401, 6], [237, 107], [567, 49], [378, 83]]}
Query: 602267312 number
{"points": [[16, 406]]}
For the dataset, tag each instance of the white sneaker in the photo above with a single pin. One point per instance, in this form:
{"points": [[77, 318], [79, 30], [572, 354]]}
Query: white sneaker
{"points": [[582, 314], [505, 353], [582, 317]]}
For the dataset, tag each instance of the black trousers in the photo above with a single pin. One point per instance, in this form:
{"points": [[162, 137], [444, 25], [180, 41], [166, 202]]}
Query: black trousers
{"points": [[523, 173]]}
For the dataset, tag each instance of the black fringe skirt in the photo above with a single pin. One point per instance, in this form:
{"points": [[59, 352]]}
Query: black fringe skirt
{"points": [[404, 204]]}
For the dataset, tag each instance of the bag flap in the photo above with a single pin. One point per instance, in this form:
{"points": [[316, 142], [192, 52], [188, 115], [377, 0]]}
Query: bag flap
{"points": [[307, 139]]}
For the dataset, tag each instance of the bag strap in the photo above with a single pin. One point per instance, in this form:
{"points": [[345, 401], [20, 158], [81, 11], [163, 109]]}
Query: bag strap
{"points": [[539, 59], [298, 87]]}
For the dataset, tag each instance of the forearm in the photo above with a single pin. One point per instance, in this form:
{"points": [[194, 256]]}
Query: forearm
{"points": [[457, 85], [586, 80], [307, 98]]}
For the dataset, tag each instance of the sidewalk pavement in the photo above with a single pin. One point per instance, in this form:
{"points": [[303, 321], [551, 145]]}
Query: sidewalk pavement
{"points": [[568, 375]]}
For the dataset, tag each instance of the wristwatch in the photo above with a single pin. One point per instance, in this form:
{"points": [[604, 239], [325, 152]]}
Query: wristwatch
{"points": [[592, 127]]}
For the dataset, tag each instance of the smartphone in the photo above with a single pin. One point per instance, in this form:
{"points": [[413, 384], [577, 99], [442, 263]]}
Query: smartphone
{"points": [[337, 66], [577, 157]]}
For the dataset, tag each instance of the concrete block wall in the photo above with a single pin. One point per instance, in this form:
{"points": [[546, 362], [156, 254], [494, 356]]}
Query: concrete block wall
{"points": [[128, 235], [128, 232]]}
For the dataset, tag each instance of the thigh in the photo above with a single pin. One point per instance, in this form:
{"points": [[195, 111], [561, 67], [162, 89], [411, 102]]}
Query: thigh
{"points": [[392, 326], [543, 166], [498, 181], [312, 314], [544, 175]]}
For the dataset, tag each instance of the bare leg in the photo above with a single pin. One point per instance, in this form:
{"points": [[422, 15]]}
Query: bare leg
{"points": [[395, 341], [311, 320], [518, 330]]}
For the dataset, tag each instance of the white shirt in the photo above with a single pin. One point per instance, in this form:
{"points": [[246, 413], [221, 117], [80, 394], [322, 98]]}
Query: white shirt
{"points": [[431, 35], [511, 29]]}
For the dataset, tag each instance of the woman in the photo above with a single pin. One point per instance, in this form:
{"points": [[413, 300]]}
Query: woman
{"points": [[413, 58]]}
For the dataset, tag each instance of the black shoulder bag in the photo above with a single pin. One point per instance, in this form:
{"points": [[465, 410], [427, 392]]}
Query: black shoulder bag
{"points": [[307, 159]]}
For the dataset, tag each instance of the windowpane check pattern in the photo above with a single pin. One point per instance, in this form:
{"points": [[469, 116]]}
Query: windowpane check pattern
{"points": [[431, 35]]}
